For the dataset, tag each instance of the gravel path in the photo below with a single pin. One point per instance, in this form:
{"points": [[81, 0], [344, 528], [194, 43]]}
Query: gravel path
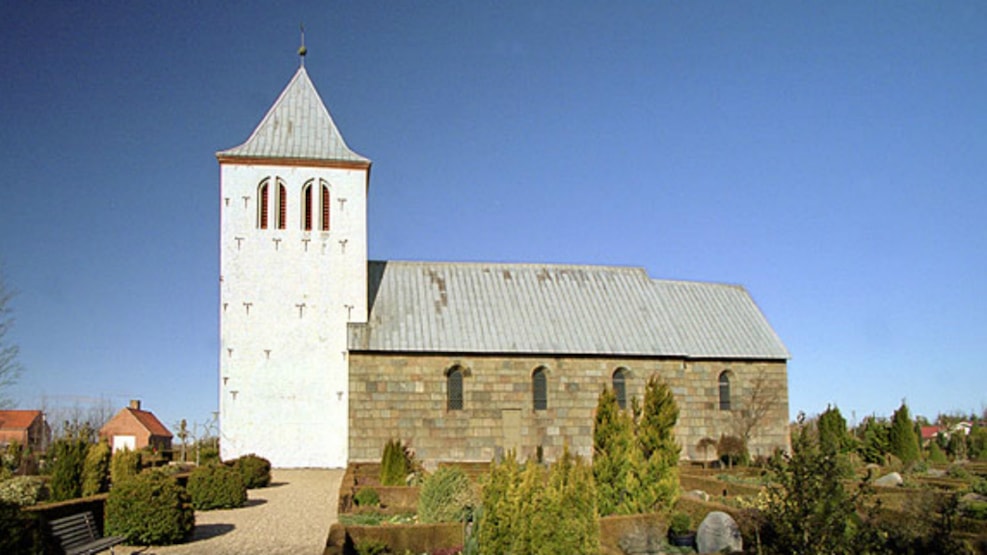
{"points": [[293, 515]]}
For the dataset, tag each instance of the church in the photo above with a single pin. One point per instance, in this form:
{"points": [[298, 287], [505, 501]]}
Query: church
{"points": [[326, 355]]}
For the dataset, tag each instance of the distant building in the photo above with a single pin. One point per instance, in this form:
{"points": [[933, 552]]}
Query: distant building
{"points": [[324, 355], [26, 427], [133, 428]]}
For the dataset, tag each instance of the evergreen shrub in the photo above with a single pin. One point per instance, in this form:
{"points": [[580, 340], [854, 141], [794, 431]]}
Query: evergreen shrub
{"points": [[395, 464], [367, 497], [23, 490], [68, 456], [96, 469], [216, 487], [124, 464], [149, 509], [255, 470], [446, 496], [15, 534]]}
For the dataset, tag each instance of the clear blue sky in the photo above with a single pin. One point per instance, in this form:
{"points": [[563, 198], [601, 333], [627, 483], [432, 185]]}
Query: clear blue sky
{"points": [[830, 156]]}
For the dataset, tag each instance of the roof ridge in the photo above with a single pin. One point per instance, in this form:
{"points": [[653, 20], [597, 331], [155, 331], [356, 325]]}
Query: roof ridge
{"points": [[535, 265]]}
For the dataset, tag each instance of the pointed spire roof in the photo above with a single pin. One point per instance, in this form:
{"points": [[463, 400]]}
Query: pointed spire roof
{"points": [[297, 127]]}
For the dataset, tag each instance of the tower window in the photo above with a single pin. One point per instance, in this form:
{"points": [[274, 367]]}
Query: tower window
{"points": [[620, 386], [725, 390], [307, 207], [454, 388], [262, 205], [325, 206], [282, 205], [539, 389]]}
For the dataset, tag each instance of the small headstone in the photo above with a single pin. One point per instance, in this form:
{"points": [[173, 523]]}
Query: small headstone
{"points": [[889, 480], [718, 532], [697, 494]]}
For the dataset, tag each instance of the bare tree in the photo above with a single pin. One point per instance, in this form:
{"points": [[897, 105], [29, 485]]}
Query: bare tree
{"points": [[763, 399], [10, 368]]}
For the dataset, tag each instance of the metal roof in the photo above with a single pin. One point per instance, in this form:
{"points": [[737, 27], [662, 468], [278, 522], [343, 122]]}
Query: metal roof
{"points": [[557, 309], [298, 126]]}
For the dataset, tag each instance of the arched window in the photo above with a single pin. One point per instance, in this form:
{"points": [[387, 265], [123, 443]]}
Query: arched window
{"points": [[262, 205], [307, 214], [725, 390], [620, 386], [282, 206], [539, 389], [325, 206], [454, 388]]}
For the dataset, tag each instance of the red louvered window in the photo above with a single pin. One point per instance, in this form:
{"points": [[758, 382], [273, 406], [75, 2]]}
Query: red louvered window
{"points": [[262, 207], [307, 207], [282, 206], [325, 207]]}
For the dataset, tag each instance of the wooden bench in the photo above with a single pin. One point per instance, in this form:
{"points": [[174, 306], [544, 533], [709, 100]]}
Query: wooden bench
{"points": [[77, 535]]}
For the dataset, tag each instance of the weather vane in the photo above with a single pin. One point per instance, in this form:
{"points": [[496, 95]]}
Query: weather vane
{"points": [[301, 49]]}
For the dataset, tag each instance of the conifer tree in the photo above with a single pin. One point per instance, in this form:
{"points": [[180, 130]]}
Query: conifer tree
{"points": [[613, 438], [903, 441], [833, 436], [654, 481], [96, 469], [500, 490]]}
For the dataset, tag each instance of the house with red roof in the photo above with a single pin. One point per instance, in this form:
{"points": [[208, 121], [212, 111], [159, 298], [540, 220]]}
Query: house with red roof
{"points": [[133, 428], [26, 427]]}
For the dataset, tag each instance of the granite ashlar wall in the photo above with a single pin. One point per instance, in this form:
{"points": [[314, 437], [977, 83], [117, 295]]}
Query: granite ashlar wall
{"points": [[403, 396]]}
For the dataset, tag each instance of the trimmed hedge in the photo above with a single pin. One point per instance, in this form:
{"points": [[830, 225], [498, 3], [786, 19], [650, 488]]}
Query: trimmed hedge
{"points": [[255, 470], [149, 509], [216, 487]]}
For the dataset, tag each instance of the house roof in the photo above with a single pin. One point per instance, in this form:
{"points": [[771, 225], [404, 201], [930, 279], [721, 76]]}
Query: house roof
{"points": [[297, 127], [557, 309], [18, 419], [146, 419]]}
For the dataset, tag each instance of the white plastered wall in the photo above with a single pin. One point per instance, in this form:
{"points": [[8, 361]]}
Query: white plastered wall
{"points": [[286, 296]]}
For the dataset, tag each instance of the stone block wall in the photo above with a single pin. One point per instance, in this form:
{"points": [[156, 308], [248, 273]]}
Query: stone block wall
{"points": [[403, 396]]}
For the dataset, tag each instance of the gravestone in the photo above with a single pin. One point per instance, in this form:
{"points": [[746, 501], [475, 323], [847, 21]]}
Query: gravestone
{"points": [[718, 532], [889, 480]]}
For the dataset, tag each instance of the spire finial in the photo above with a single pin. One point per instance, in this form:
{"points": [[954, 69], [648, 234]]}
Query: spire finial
{"points": [[301, 49]]}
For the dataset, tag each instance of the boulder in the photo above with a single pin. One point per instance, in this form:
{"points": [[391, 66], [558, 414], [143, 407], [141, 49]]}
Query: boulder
{"points": [[718, 532], [889, 480]]}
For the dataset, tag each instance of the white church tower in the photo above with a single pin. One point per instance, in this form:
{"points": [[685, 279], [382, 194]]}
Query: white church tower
{"points": [[293, 274]]}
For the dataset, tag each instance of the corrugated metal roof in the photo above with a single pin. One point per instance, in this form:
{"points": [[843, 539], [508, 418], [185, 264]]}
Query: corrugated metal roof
{"points": [[558, 309], [298, 126]]}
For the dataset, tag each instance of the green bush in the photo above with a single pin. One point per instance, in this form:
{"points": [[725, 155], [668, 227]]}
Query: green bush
{"points": [[395, 464], [149, 509], [23, 490], [216, 487], [446, 496], [372, 547], [15, 534], [367, 497], [208, 454], [255, 470], [68, 456], [96, 469], [526, 511], [124, 464], [679, 524]]}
